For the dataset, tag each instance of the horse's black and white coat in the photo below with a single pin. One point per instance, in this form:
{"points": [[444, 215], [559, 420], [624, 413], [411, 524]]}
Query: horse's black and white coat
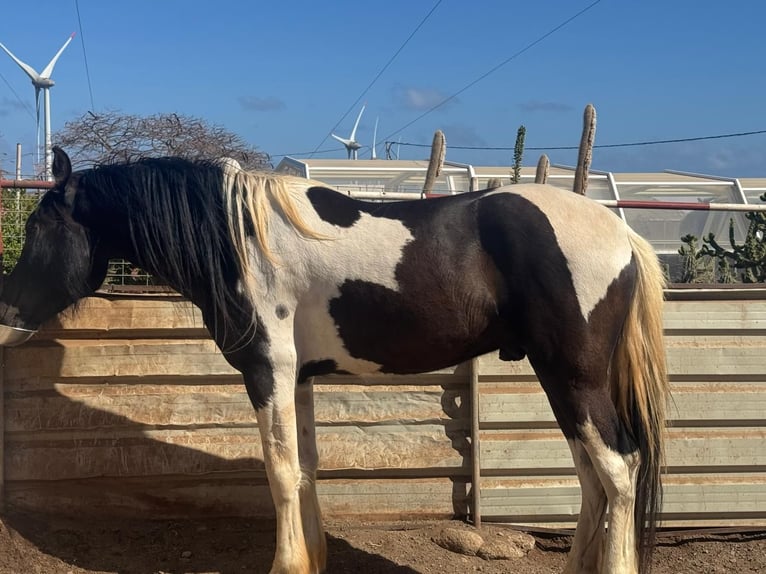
{"points": [[296, 280]]}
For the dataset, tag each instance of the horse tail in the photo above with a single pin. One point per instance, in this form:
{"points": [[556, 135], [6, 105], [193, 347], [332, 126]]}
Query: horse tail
{"points": [[640, 389]]}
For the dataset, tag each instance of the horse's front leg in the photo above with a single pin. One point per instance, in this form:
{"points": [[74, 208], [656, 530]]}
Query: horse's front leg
{"points": [[277, 426], [309, 459]]}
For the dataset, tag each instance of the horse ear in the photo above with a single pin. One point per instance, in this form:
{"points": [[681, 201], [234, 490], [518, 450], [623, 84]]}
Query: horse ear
{"points": [[62, 167]]}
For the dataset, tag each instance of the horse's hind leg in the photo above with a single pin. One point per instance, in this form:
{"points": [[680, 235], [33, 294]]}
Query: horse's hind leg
{"points": [[309, 460], [616, 461], [607, 465], [588, 544]]}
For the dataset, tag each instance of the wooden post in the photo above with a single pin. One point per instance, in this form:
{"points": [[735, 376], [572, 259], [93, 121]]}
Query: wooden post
{"points": [[494, 183], [585, 155], [543, 166], [435, 164], [475, 444]]}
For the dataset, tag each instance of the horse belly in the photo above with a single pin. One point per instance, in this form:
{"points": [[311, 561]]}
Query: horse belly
{"points": [[377, 330]]}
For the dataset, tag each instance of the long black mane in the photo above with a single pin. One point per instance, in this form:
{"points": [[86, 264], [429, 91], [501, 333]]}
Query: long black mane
{"points": [[178, 229]]}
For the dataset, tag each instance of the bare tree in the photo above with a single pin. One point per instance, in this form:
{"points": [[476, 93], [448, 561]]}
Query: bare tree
{"points": [[111, 136]]}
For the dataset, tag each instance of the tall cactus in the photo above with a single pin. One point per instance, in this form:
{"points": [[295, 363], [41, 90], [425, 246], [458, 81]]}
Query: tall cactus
{"points": [[436, 162], [518, 153], [543, 166], [585, 155]]}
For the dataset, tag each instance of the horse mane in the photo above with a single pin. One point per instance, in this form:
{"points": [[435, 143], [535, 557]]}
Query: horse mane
{"points": [[247, 196], [190, 222]]}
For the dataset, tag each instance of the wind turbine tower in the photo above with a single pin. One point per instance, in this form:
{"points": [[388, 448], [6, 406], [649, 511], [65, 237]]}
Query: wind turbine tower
{"points": [[352, 146], [42, 82], [373, 155]]}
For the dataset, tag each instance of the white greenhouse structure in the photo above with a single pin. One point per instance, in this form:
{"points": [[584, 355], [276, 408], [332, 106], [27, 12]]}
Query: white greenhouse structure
{"points": [[383, 180]]}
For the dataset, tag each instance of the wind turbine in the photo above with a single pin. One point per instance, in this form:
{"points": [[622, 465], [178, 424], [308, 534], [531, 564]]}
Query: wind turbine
{"points": [[375, 139], [42, 81], [352, 146]]}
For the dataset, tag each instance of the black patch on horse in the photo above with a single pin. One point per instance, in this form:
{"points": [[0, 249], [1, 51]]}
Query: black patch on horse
{"points": [[424, 324], [282, 312], [333, 207]]}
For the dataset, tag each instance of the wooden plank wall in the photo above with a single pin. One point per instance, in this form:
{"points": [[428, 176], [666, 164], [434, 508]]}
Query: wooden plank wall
{"points": [[716, 443], [127, 408]]}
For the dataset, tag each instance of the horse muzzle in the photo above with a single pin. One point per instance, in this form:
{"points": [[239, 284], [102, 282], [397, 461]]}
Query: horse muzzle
{"points": [[12, 336]]}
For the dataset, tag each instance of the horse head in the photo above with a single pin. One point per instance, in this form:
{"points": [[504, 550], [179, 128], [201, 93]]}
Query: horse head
{"points": [[57, 265]]}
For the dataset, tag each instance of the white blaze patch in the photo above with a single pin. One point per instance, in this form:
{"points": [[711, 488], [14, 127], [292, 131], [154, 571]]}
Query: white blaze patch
{"points": [[593, 240]]}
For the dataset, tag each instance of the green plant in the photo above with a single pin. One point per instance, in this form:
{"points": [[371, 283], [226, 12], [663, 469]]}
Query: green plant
{"points": [[696, 266], [518, 153], [17, 205], [748, 259]]}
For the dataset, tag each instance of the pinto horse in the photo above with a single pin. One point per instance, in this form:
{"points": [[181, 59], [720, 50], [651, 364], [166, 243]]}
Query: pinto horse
{"points": [[295, 280]]}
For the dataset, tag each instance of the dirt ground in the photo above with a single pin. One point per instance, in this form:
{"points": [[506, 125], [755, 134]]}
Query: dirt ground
{"points": [[54, 545]]}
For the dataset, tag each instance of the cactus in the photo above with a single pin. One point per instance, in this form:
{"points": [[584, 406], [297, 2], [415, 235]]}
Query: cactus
{"points": [[494, 183], [543, 165], [749, 258], [435, 163], [518, 152], [696, 266], [585, 154]]}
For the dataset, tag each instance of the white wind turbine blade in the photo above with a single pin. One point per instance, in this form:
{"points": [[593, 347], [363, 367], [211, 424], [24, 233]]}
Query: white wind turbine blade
{"points": [[30, 71], [352, 137], [344, 141], [48, 70]]}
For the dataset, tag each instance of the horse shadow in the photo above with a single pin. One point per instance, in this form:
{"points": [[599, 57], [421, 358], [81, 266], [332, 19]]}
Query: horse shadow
{"points": [[97, 521]]}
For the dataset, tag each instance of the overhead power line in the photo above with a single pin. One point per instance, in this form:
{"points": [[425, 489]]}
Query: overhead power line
{"points": [[84, 54], [24, 104], [602, 146], [377, 76], [495, 68], [554, 148]]}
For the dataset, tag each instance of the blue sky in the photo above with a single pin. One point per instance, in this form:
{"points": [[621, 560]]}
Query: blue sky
{"points": [[282, 74]]}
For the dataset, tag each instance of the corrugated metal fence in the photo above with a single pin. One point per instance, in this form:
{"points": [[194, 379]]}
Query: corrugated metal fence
{"points": [[128, 408]]}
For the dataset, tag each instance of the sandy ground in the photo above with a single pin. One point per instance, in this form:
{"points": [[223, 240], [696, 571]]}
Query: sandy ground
{"points": [[54, 545]]}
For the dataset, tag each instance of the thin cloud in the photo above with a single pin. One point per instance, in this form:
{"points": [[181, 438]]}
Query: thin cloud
{"points": [[541, 106], [420, 99], [256, 104]]}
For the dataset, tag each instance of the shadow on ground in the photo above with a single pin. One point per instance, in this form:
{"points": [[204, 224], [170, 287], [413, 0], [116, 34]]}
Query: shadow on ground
{"points": [[52, 544]]}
